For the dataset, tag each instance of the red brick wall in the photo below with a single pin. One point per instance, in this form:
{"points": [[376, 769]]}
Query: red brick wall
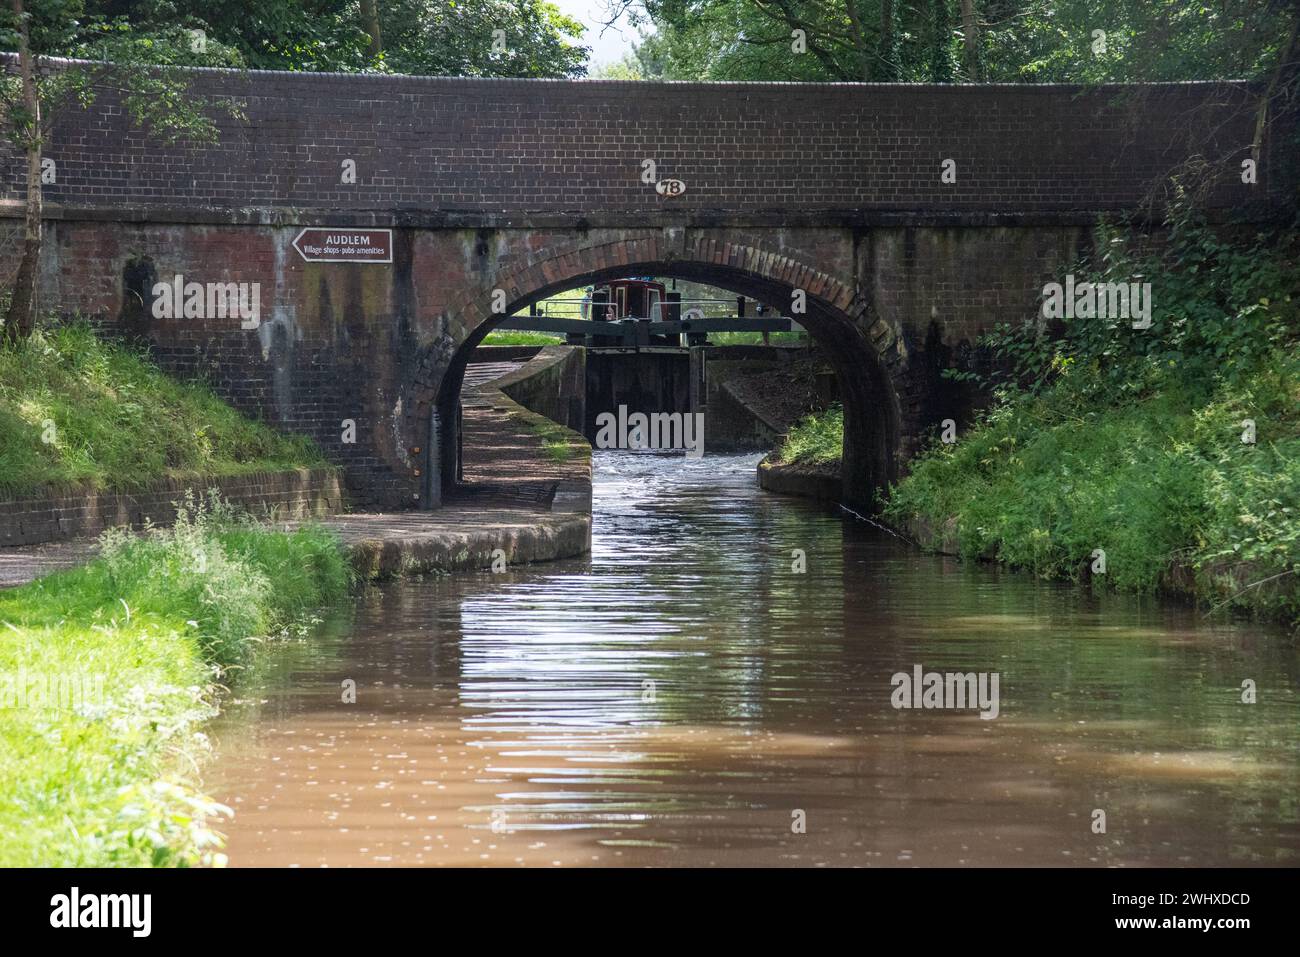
{"points": [[58, 515], [486, 146]]}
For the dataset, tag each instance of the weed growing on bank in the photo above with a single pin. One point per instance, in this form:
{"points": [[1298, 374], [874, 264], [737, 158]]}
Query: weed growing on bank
{"points": [[815, 439], [511, 337], [557, 442], [517, 337], [106, 777], [1175, 450], [77, 408]]}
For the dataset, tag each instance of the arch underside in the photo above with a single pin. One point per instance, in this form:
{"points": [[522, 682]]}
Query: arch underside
{"points": [[868, 386]]}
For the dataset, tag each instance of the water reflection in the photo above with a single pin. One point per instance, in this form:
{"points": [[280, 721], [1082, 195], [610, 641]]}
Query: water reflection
{"points": [[685, 696]]}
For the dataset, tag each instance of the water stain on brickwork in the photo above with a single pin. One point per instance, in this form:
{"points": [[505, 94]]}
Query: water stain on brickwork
{"points": [[138, 278]]}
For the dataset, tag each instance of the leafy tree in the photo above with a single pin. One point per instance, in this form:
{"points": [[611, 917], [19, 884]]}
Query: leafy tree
{"points": [[139, 64], [1054, 41], [843, 40], [455, 38], [1099, 41], [443, 37]]}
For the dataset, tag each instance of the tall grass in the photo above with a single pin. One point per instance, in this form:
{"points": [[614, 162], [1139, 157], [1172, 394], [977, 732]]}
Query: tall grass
{"points": [[1160, 484], [77, 408], [161, 618], [815, 439]]}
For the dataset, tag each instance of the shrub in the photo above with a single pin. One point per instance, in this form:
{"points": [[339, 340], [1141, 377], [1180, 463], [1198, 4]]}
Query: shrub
{"points": [[1131, 440]]}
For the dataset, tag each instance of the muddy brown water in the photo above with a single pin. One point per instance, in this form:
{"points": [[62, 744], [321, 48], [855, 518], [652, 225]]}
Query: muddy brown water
{"points": [[684, 697]]}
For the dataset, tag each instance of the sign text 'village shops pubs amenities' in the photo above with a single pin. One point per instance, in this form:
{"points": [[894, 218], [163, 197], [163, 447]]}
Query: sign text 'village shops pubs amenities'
{"points": [[345, 245]]}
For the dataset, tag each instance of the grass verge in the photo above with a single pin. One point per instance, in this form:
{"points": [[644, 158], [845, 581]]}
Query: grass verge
{"points": [[1162, 489], [109, 671], [75, 408], [1162, 456]]}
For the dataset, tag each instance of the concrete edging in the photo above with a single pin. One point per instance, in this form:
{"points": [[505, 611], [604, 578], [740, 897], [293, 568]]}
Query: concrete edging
{"points": [[805, 481], [536, 538]]}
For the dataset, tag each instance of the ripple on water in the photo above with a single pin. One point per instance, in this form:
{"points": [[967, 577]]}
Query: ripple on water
{"points": [[682, 695]]}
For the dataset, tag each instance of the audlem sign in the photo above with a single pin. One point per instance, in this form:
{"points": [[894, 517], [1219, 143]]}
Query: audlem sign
{"points": [[345, 246]]}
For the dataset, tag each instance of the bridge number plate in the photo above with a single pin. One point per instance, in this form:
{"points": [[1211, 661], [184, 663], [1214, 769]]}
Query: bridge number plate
{"points": [[336, 245]]}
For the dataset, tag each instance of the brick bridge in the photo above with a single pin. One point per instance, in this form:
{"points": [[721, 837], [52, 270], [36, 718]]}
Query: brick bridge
{"points": [[535, 186]]}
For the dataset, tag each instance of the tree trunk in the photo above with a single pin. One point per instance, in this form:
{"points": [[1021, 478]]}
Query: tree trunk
{"points": [[21, 319], [940, 65], [970, 37], [1284, 65], [370, 23], [859, 40], [889, 64]]}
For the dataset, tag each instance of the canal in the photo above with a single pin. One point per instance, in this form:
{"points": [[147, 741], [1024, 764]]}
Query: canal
{"points": [[688, 696]]}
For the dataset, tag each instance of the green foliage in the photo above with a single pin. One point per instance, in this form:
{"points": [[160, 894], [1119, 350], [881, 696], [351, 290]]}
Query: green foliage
{"points": [[311, 35], [1025, 41], [1131, 440], [816, 438], [109, 781], [51, 24], [514, 337], [228, 575], [1053, 41], [743, 40], [138, 58], [1220, 308], [442, 37], [76, 408], [454, 38]]}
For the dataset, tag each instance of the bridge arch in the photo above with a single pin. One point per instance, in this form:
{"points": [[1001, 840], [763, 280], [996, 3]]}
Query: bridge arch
{"points": [[867, 353]]}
